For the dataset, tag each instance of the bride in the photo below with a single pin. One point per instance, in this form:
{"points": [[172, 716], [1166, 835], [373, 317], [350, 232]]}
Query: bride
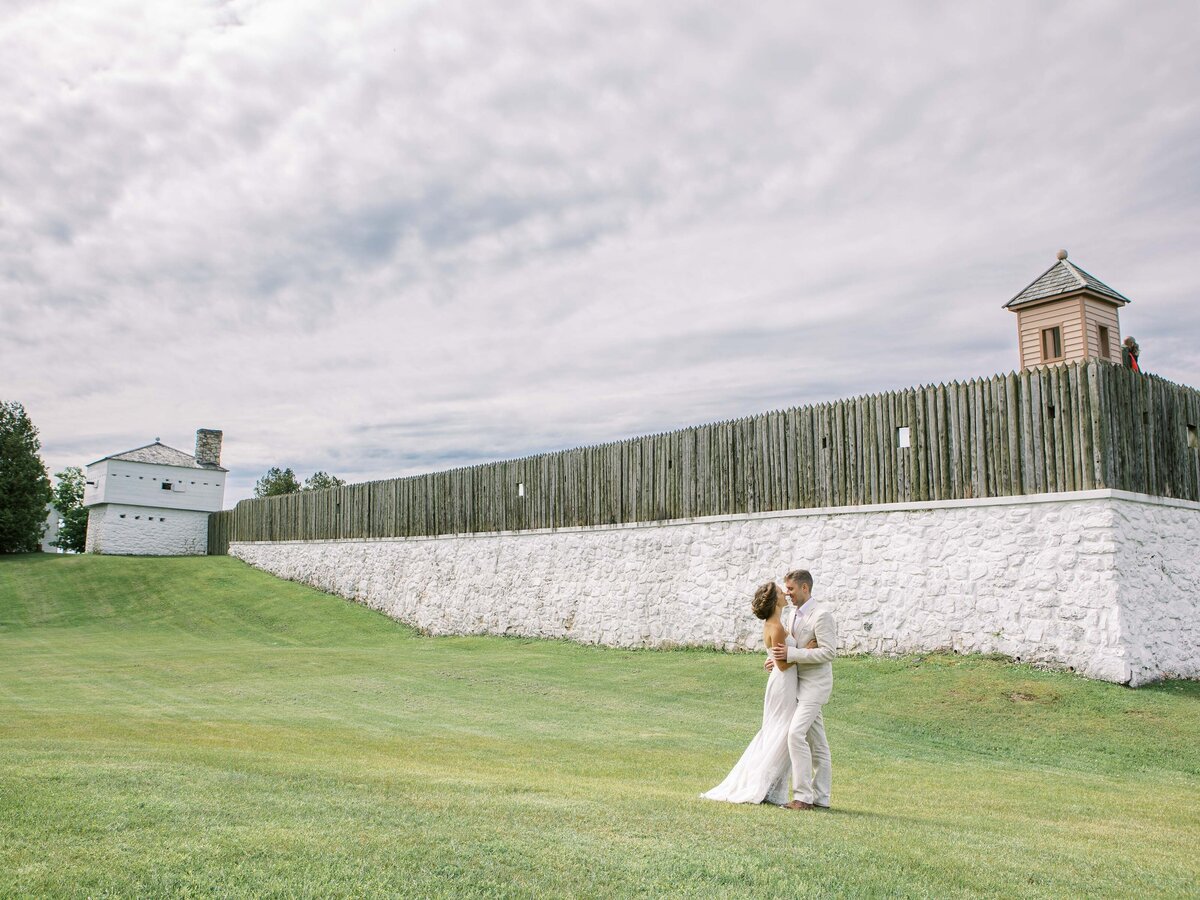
{"points": [[761, 775]]}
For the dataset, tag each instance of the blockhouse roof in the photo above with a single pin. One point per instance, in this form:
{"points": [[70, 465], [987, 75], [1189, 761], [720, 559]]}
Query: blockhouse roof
{"points": [[160, 454]]}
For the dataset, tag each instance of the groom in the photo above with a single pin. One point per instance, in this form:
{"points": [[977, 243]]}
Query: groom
{"points": [[812, 774]]}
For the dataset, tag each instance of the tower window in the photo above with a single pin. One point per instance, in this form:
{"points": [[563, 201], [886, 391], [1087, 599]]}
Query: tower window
{"points": [[1193, 441], [1105, 348], [903, 437], [1051, 343]]}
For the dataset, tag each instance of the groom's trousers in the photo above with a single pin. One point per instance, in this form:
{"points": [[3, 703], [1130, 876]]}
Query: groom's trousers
{"points": [[812, 772]]}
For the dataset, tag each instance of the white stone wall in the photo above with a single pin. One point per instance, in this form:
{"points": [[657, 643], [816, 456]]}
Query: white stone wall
{"points": [[146, 531], [1158, 558], [1047, 579]]}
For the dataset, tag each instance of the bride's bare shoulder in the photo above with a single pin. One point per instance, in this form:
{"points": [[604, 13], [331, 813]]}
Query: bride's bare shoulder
{"points": [[774, 632]]}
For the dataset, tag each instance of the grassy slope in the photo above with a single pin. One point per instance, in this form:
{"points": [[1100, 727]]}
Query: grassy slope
{"points": [[192, 726]]}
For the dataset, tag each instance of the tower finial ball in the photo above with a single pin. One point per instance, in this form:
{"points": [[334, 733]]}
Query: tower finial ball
{"points": [[1062, 254]]}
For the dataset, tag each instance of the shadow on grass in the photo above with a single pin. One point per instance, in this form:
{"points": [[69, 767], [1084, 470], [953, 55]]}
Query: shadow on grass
{"points": [[842, 812], [1184, 689]]}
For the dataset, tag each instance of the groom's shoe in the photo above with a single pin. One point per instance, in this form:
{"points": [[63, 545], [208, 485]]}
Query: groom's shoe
{"points": [[797, 804], [821, 806]]}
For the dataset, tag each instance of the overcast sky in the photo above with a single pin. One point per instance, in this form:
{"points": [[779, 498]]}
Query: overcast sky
{"points": [[385, 238]]}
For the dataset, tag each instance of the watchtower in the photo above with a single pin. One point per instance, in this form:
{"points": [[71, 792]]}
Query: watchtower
{"points": [[1067, 315]]}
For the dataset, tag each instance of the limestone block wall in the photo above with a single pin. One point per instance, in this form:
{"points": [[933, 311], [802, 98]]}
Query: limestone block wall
{"points": [[1087, 580], [146, 531], [1157, 554]]}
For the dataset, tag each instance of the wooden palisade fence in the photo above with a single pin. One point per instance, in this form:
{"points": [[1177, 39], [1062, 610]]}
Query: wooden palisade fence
{"points": [[1065, 428]]}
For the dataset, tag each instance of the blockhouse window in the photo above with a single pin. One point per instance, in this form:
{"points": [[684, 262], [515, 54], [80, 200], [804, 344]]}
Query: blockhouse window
{"points": [[165, 486], [903, 437], [1105, 349], [1051, 343]]}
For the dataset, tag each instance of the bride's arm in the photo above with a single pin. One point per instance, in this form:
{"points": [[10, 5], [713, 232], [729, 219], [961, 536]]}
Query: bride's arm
{"points": [[771, 660], [776, 637]]}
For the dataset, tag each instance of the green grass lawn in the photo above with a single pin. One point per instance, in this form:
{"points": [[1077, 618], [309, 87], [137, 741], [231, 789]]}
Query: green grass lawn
{"points": [[193, 727]]}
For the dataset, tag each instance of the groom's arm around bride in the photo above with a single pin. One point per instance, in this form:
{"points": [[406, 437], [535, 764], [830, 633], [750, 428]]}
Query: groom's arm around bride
{"points": [[824, 638]]}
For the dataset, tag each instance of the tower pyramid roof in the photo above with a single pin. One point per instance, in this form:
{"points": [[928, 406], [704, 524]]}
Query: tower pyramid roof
{"points": [[1064, 277]]}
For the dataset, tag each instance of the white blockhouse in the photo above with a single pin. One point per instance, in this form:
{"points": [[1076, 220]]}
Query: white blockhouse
{"points": [[155, 500]]}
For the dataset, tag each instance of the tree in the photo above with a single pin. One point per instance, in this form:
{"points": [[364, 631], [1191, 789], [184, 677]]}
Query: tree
{"points": [[279, 481], [73, 517], [24, 487], [276, 482], [318, 481]]}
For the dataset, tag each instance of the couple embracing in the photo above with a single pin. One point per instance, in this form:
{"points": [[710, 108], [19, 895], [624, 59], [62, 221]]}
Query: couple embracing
{"points": [[800, 637]]}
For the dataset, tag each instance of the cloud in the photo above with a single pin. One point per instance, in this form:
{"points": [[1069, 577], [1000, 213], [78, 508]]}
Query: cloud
{"points": [[382, 239]]}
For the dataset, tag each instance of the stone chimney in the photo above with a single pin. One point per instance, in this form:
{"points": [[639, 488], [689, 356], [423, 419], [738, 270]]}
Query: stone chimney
{"points": [[208, 447]]}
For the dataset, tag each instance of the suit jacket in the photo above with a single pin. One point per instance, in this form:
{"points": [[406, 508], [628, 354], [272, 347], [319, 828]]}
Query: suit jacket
{"points": [[814, 668]]}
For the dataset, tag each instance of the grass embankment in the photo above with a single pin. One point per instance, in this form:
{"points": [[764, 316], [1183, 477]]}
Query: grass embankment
{"points": [[194, 727]]}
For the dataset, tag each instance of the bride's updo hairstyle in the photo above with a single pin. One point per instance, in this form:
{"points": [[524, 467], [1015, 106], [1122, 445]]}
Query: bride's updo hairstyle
{"points": [[765, 599]]}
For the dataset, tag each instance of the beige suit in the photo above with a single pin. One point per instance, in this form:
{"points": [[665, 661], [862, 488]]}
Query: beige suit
{"points": [[812, 771]]}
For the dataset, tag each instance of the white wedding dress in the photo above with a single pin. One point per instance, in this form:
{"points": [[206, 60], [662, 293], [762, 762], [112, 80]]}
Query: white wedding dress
{"points": [[761, 775]]}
